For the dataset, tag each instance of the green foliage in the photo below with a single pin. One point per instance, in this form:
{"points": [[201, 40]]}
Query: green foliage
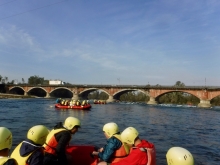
{"points": [[134, 96], [35, 80], [46, 82], [178, 98], [216, 101], [99, 95], [12, 82], [179, 84], [6, 78], [23, 81]]}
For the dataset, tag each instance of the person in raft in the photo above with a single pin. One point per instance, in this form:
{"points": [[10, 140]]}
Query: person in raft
{"points": [[179, 156], [141, 152], [58, 139], [115, 149], [5, 146], [31, 151]]}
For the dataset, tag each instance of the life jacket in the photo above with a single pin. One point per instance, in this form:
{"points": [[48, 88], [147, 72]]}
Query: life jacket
{"points": [[83, 103], [120, 153], [3, 160], [23, 160], [151, 154], [51, 142]]}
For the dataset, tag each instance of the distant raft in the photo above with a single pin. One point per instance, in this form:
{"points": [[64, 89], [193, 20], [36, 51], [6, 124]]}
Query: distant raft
{"points": [[99, 102], [79, 107]]}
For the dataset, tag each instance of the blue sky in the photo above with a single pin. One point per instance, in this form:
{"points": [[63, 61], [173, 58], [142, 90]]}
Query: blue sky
{"points": [[132, 42]]}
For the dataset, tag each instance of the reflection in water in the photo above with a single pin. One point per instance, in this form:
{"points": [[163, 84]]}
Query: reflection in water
{"points": [[196, 129]]}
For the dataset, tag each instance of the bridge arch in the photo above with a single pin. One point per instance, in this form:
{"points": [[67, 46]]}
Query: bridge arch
{"points": [[174, 91], [117, 94], [36, 88], [214, 95], [36, 92], [17, 89], [62, 92], [203, 95], [60, 88], [84, 94], [215, 100]]}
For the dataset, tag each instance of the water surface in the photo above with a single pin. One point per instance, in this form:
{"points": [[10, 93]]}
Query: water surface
{"points": [[196, 129]]}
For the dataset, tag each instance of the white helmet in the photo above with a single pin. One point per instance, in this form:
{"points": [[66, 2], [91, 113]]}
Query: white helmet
{"points": [[71, 122], [110, 129], [5, 138], [179, 156], [38, 134], [129, 135]]}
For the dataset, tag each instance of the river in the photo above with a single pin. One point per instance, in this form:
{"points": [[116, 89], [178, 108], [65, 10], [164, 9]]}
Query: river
{"points": [[196, 129]]}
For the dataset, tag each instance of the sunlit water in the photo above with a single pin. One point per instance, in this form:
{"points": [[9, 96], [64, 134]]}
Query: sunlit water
{"points": [[196, 129]]}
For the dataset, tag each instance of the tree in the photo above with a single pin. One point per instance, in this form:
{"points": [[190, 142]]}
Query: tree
{"points": [[0, 78], [46, 82], [179, 84], [23, 81], [34, 80], [6, 79], [12, 82]]}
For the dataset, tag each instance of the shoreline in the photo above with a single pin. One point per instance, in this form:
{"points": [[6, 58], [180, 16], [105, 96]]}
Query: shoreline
{"points": [[14, 96]]}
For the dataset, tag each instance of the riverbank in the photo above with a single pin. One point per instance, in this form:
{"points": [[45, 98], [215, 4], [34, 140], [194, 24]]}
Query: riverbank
{"points": [[13, 96]]}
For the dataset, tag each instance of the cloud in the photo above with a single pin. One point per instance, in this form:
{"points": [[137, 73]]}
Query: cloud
{"points": [[156, 41], [13, 38]]}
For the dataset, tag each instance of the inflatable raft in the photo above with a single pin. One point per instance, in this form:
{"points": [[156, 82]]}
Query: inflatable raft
{"points": [[81, 155], [80, 107], [99, 102]]}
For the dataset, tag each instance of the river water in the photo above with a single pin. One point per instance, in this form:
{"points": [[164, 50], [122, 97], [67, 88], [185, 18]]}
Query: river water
{"points": [[196, 129]]}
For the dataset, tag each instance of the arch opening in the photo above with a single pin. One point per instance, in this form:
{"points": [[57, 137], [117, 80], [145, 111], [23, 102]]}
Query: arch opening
{"points": [[177, 97], [94, 94], [61, 93], [17, 91], [215, 101], [39, 92], [132, 96]]}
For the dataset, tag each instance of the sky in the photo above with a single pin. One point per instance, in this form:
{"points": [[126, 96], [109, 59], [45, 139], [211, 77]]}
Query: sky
{"points": [[126, 42]]}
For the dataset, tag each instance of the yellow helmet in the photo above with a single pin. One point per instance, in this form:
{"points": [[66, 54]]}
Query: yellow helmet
{"points": [[38, 134], [5, 138], [129, 135], [110, 129], [179, 156], [71, 122]]}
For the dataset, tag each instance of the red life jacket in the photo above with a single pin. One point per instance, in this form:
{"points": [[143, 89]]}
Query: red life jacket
{"points": [[151, 154], [51, 142]]}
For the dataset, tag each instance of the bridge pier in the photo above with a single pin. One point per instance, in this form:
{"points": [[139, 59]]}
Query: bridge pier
{"points": [[204, 104], [47, 95], [152, 101], [110, 99], [25, 93], [75, 96]]}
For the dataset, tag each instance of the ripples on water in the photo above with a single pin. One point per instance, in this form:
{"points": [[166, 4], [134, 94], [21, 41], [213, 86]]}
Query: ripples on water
{"points": [[196, 129]]}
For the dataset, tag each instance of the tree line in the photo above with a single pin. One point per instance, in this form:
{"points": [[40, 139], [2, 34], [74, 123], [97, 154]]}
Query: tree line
{"points": [[32, 80]]}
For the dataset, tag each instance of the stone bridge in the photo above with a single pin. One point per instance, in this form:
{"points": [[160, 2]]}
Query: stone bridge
{"points": [[205, 94]]}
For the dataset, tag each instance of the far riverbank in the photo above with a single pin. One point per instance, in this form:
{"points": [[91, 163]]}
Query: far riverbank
{"points": [[14, 96]]}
